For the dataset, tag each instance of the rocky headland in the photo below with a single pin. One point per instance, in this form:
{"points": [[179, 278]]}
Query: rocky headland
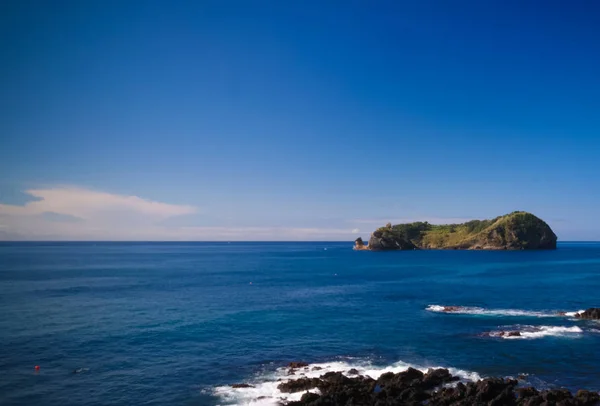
{"points": [[515, 231]]}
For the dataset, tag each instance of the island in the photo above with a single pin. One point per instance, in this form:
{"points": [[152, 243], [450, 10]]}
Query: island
{"points": [[518, 230]]}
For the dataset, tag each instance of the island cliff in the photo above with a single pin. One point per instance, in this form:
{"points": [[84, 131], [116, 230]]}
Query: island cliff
{"points": [[515, 231]]}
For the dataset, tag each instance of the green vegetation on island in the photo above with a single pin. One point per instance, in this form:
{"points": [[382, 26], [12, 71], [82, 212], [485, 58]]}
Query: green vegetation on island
{"points": [[515, 231]]}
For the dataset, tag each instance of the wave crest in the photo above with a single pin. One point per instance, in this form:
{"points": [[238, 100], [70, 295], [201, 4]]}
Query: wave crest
{"points": [[574, 314], [493, 312], [533, 332]]}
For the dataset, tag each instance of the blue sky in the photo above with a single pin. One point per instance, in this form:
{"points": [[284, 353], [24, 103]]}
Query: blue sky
{"points": [[307, 120]]}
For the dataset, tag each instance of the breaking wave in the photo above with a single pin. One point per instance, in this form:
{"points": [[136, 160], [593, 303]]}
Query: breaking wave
{"points": [[533, 332], [495, 312], [574, 314]]}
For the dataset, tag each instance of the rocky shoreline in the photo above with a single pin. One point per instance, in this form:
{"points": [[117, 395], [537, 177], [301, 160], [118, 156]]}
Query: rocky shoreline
{"points": [[302, 384], [413, 387]]}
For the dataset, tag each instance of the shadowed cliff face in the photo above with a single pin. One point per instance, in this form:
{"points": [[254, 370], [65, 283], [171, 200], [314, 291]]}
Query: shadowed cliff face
{"points": [[384, 240], [359, 245], [515, 231]]}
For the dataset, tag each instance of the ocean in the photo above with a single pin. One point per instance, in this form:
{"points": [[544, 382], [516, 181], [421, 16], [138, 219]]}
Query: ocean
{"points": [[177, 323]]}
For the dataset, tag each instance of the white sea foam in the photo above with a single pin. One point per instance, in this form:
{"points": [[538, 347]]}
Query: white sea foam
{"points": [[533, 332], [265, 390], [574, 314], [491, 312]]}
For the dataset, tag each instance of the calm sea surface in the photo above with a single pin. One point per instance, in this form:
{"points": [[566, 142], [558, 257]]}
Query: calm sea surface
{"points": [[175, 323]]}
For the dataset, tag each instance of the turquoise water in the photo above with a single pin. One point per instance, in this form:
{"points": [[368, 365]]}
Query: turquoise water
{"points": [[172, 323]]}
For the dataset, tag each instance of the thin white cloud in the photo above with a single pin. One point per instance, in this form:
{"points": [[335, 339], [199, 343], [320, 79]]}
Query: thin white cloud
{"points": [[260, 233], [355, 231], [68, 231], [85, 204], [72, 213]]}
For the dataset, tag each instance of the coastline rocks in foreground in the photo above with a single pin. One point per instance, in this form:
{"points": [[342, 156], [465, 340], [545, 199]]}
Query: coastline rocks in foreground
{"points": [[413, 387], [592, 313], [515, 231]]}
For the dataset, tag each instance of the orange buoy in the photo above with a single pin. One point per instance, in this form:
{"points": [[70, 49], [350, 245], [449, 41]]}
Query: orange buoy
{"points": [[37, 367]]}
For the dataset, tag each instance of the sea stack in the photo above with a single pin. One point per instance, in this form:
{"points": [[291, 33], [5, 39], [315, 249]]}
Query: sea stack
{"points": [[359, 244]]}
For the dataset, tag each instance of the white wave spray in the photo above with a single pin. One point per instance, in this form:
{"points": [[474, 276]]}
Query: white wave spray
{"points": [[495, 312], [533, 332]]}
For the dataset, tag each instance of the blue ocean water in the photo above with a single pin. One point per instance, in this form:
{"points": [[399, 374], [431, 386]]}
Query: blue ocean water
{"points": [[170, 323]]}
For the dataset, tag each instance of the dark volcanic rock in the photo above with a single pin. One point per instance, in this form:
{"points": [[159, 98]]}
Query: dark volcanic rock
{"points": [[412, 387], [587, 398], [514, 333], [489, 389], [382, 240], [410, 377], [590, 314], [295, 365], [298, 385], [242, 385], [437, 377], [335, 378], [526, 392], [309, 397], [353, 371], [359, 244]]}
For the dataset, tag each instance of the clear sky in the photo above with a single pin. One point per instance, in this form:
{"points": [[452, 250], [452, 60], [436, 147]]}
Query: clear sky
{"points": [[295, 120]]}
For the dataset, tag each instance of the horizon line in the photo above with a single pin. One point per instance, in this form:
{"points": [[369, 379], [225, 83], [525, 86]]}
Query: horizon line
{"points": [[219, 241]]}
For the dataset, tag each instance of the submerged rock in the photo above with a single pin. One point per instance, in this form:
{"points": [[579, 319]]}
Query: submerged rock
{"points": [[514, 333], [452, 309]]}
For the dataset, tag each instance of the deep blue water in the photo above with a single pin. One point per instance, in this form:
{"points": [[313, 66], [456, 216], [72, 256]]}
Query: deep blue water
{"points": [[166, 323]]}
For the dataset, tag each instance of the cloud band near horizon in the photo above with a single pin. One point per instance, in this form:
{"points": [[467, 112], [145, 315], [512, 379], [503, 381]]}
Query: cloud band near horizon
{"points": [[75, 213]]}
